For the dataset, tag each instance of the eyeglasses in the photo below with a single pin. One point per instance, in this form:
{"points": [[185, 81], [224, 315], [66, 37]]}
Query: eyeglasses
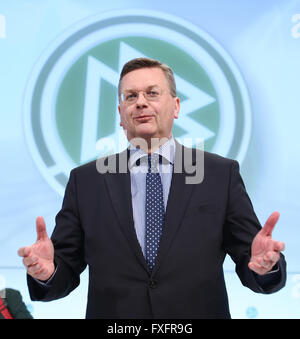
{"points": [[151, 94]]}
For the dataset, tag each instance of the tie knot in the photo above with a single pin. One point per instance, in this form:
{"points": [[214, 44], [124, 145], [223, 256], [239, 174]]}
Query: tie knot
{"points": [[153, 161]]}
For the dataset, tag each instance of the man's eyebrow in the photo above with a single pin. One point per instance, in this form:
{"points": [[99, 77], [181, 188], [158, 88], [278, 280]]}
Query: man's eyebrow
{"points": [[135, 90]]}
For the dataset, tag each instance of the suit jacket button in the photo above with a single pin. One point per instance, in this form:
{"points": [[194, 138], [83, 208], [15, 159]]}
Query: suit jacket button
{"points": [[152, 284]]}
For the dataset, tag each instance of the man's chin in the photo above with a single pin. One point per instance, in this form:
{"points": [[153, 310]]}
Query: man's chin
{"points": [[146, 131], [147, 139]]}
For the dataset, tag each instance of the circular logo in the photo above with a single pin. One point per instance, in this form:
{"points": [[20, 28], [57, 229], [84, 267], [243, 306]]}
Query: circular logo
{"points": [[70, 106]]}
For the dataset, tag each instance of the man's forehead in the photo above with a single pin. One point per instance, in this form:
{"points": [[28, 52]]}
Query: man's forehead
{"points": [[145, 77]]}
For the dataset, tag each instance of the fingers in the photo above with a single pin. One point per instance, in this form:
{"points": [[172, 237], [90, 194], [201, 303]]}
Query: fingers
{"points": [[34, 271], [260, 269], [270, 224], [270, 259], [256, 268], [38, 271], [38, 258], [30, 260], [24, 251], [41, 228], [262, 265], [266, 264], [33, 264], [279, 246], [41, 235]]}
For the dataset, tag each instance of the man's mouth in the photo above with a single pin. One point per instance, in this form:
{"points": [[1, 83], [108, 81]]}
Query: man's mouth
{"points": [[143, 118]]}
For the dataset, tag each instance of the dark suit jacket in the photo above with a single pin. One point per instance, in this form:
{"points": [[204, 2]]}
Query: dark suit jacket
{"points": [[203, 223]]}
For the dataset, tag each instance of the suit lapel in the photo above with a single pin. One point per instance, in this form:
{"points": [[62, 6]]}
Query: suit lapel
{"points": [[119, 188]]}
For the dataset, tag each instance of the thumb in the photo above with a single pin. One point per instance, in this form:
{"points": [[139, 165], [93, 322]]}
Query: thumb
{"points": [[41, 228], [270, 224]]}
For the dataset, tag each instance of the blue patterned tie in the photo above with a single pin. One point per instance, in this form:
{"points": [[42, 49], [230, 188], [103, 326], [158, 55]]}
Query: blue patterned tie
{"points": [[155, 211]]}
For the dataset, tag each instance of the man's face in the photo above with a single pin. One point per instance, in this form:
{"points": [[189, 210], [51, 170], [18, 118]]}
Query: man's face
{"points": [[148, 118]]}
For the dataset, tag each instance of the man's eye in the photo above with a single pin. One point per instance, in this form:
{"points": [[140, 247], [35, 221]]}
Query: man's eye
{"points": [[131, 96], [153, 93]]}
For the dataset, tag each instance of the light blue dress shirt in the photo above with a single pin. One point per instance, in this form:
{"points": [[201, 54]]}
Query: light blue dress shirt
{"points": [[138, 166]]}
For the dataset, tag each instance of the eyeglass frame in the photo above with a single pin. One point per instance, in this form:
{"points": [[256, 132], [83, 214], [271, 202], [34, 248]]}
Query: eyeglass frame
{"points": [[151, 88]]}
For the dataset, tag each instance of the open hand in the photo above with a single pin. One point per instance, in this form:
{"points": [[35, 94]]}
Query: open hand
{"points": [[265, 252], [39, 257]]}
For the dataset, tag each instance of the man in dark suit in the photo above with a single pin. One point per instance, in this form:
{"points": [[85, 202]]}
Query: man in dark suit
{"points": [[154, 251]]}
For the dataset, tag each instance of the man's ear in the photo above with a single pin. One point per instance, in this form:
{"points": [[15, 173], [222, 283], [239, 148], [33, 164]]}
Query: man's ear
{"points": [[176, 107], [119, 109]]}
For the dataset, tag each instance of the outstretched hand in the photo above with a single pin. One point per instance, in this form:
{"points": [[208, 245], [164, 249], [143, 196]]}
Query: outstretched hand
{"points": [[39, 257], [265, 252]]}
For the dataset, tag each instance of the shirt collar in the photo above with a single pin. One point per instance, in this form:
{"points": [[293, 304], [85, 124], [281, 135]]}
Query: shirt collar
{"points": [[166, 150]]}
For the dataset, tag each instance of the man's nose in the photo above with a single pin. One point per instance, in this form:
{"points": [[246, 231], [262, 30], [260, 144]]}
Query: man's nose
{"points": [[141, 100]]}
